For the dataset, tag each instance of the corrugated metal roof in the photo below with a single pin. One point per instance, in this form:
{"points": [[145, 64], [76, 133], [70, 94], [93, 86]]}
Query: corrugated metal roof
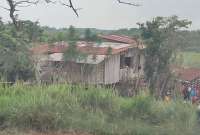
{"points": [[117, 38], [56, 57], [113, 45], [50, 48], [41, 49], [84, 47], [90, 59]]}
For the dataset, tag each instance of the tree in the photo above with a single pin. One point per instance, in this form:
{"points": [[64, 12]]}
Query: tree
{"points": [[31, 31], [61, 36], [15, 63], [72, 35], [73, 54], [160, 36], [89, 36]]}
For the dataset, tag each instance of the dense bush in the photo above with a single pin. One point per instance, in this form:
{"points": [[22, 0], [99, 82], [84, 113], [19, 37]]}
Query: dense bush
{"points": [[92, 110]]}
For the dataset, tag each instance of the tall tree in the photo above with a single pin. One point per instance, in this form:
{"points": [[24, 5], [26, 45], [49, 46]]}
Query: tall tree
{"points": [[72, 35], [31, 31], [15, 63], [88, 35], [160, 36]]}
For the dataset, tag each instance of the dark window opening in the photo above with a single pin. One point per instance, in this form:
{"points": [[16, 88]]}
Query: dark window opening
{"points": [[139, 63], [127, 61], [139, 67], [57, 64], [121, 61], [139, 59]]}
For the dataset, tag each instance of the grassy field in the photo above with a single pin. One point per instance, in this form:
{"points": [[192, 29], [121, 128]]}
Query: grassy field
{"points": [[191, 59], [96, 111]]}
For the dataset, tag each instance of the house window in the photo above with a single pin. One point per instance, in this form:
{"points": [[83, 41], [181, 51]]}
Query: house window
{"points": [[121, 61], [127, 61], [139, 63]]}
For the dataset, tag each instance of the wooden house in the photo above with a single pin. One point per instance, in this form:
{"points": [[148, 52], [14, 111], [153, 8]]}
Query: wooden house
{"points": [[108, 62]]}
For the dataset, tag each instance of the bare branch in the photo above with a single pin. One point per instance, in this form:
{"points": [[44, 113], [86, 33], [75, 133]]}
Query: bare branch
{"points": [[13, 5], [12, 12], [128, 3], [70, 5]]}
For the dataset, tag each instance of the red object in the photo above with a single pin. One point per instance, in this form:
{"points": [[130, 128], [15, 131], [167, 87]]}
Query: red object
{"points": [[83, 47], [194, 99], [188, 74]]}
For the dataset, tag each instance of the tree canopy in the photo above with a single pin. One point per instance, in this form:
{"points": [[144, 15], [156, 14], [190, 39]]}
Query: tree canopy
{"points": [[15, 62], [160, 36]]}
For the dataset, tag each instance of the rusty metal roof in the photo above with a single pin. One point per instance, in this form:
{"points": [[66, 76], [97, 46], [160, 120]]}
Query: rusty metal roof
{"points": [[84, 47], [49, 48], [120, 39]]}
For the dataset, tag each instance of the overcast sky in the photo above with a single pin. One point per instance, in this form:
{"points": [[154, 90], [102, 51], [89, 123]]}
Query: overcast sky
{"points": [[108, 14]]}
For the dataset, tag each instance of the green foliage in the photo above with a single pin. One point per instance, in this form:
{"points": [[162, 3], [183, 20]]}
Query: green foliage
{"points": [[189, 59], [72, 35], [93, 110], [160, 35], [109, 51], [32, 32], [15, 62], [72, 54], [89, 36], [14, 59], [192, 39], [132, 32]]}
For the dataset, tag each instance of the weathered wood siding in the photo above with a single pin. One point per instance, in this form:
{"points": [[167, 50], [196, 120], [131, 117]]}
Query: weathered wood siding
{"points": [[78, 73], [142, 63], [112, 69], [134, 53], [137, 60]]}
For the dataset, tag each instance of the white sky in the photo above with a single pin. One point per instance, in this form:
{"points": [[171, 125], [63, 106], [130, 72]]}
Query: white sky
{"points": [[108, 14]]}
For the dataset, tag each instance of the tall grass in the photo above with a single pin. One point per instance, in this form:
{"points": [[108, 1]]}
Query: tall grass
{"points": [[93, 110]]}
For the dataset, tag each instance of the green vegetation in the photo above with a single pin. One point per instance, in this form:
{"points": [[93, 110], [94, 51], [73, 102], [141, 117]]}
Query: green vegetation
{"points": [[190, 59], [88, 34], [15, 63], [94, 110], [160, 35], [191, 40]]}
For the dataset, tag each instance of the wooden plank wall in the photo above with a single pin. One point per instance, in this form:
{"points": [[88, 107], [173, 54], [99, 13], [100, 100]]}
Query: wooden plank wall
{"points": [[112, 69], [78, 73]]}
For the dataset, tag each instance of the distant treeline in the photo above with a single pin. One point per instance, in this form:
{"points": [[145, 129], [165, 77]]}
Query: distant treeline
{"points": [[63, 34]]}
